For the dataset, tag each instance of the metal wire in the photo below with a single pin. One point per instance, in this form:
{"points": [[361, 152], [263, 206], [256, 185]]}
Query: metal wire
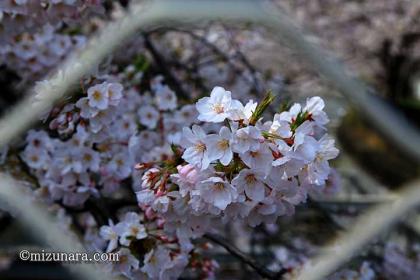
{"points": [[17, 201], [370, 225]]}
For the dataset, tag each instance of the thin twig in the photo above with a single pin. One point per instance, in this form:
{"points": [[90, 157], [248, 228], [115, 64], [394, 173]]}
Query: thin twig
{"points": [[243, 257], [246, 62], [162, 65], [220, 54]]}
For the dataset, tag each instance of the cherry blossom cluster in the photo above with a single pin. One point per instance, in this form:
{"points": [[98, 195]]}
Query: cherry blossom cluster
{"points": [[89, 149], [246, 168], [65, 166], [19, 16], [92, 144], [36, 35], [147, 252], [110, 123], [33, 55]]}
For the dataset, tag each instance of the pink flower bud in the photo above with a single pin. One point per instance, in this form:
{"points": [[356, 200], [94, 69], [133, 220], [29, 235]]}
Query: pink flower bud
{"points": [[160, 193], [160, 223], [149, 213], [188, 173]]}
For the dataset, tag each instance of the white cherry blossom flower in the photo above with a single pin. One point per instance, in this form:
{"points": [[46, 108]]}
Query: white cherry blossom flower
{"points": [[240, 112], [35, 158], [101, 120], [281, 126], [86, 111], [314, 106], [124, 126], [252, 182], [69, 161], [175, 267], [155, 262], [291, 114], [127, 262], [196, 153], [148, 116], [114, 93], [319, 169], [161, 204], [39, 140], [307, 150], [98, 96], [165, 98], [282, 152], [80, 138], [60, 45], [302, 132], [218, 192], [109, 234], [247, 138], [130, 227], [186, 115], [260, 159], [147, 139], [156, 82], [145, 197], [216, 107], [89, 159], [219, 146], [120, 165]]}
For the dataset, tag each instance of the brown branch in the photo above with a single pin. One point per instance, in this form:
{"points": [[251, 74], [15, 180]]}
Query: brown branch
{"points": [[218, 52], [161, 64], [261, 270]]}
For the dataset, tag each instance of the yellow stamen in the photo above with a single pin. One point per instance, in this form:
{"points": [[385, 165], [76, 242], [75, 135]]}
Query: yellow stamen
{"points": [[250, 178], [218, 108], [219, 186], [223, 144], [97, 95], [200, 147]]}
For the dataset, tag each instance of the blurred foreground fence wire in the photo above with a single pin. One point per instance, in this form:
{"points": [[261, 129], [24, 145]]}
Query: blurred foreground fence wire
{"points": [[35, 217], [371, 224], [147, 14]]}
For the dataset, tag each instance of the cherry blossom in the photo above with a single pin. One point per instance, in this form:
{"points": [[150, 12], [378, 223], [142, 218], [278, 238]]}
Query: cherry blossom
{"points": [[165, 98], [109, 233], [216, 107], [148, 116], [219, 146], [252, 182], [251, 169], [218, 192], [246, 139], [196, 151], [130, 228]]}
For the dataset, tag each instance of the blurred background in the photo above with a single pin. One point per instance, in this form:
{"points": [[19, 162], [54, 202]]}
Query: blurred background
{"points": [[378, 42]]}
